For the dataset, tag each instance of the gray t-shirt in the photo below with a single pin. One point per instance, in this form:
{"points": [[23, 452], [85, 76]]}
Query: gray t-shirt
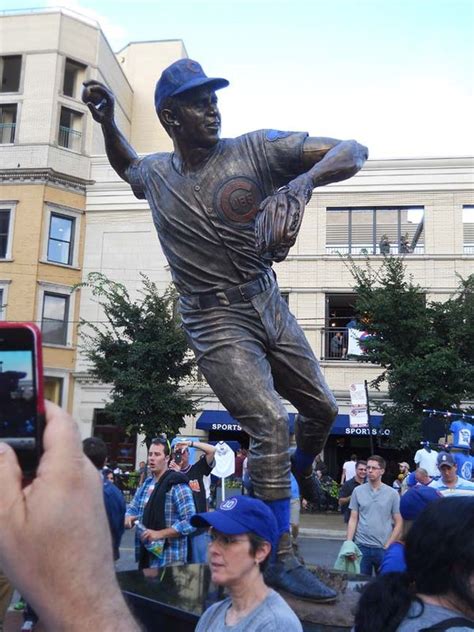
{"points": [[431, 615], [272, 615], [376, 508]]}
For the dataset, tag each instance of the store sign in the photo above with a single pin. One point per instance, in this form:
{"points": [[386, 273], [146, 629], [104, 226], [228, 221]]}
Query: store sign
{"points": [[231, 427], [382, 432]]}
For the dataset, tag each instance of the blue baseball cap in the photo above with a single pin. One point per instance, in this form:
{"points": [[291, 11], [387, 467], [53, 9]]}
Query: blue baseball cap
{"points": [[415, 500], [181, 76], [445, 458], [411, 479], [241, 514]]}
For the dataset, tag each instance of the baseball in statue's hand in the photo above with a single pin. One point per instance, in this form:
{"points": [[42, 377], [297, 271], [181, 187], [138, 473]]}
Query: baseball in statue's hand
{"points": [[93, 96], [98, 99]]}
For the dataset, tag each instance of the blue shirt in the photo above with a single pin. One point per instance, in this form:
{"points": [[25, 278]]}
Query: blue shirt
{"points": [[179, 507], [462, 487], [462, 434], [394, 559], [115, 509]]}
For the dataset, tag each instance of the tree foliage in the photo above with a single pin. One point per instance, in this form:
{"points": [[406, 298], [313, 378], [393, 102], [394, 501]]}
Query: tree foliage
{"points": [[425, 349], [142, 352]]}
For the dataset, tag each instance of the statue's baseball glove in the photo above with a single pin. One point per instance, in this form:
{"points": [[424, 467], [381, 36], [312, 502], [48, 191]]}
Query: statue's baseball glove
{"points": [[278, 223]]}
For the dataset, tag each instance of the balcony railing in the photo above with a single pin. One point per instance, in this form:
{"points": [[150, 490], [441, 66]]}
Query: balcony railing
{"points": [[69, 138], [7, 133], [334, 341]]}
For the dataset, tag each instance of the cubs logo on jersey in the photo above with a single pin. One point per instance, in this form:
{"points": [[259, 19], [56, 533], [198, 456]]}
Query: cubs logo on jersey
{"points": [[237, 200]]}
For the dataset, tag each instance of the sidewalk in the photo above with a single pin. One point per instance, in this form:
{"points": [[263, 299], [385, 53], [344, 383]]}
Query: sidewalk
{"points": [[325, 525]]}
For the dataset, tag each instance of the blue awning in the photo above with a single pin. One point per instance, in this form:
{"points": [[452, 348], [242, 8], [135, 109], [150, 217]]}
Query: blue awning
{"points": [[221, 421], [341, 426]]}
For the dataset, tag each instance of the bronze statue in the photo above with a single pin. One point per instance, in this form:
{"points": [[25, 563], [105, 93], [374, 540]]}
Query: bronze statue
{"points": [[204, 198]]}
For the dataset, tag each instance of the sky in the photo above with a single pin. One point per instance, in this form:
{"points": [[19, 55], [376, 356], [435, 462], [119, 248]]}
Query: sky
{"points": [[396, 75]]}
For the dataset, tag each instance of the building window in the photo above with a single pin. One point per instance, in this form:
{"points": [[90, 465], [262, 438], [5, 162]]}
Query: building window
{"points": [[4, 233], [10, 69], [74, 75], [121, 448], [286, 297], [340, 310], [375, 231], [7, 123], [61, 239], [54, 318], [468, 229], [53, 389], [70, 129]]}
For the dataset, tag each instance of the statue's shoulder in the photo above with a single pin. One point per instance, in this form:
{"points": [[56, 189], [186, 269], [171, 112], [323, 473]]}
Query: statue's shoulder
{"points": [[156, 159]]}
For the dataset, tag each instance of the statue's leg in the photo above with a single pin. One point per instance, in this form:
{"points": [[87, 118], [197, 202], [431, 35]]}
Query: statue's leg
{"points": [[234, 349], [230, 347], [298, 378]]}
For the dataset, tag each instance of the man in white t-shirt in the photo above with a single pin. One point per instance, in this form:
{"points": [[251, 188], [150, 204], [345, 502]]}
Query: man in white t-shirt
{"points": [[349, 469], [426, 458]]}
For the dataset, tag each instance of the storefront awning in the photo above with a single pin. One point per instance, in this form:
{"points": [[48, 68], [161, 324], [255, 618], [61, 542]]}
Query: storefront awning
{"points": [[221, 421], [341, 426]]}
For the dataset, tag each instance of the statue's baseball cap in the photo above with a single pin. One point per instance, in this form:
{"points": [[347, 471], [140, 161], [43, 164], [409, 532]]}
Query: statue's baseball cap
{"points": [[445, 458], [241, 514], [183, 75]]}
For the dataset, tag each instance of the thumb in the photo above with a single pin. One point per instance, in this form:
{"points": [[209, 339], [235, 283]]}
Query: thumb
{"points": [[10, 482]]}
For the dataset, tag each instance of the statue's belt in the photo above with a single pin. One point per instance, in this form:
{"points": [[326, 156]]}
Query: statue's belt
{"points": [[237, 294]]}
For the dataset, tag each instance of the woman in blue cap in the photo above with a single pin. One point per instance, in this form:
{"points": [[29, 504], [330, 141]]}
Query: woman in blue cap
{"points": [[244, 534]]}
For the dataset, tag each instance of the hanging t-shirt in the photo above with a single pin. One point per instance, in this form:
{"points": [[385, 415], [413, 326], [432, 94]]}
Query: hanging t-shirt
{"points": [[464, 463], [427, 460], [462, 432]]}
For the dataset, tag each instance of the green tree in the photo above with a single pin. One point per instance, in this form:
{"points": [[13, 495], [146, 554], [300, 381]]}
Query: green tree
{"points": [[142, 352], [425, 349]]}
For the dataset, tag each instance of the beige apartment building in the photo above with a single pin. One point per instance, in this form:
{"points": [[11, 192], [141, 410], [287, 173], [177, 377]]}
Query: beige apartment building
{"points": [[46, 140], [54, 174]]}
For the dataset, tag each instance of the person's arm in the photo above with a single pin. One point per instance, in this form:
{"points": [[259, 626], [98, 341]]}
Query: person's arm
{"points": [[352, 525], [45, 524], [397, 530], [133, 509], [343, 475], [344, 495], [327, 160], [101, 103], [208, 449]]}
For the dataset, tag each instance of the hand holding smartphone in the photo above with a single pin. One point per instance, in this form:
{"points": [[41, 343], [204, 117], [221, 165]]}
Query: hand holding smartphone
{"points": [[21, 393]]}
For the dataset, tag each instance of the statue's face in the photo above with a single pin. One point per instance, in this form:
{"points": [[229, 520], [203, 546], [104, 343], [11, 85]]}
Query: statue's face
{"points": [[199, 117]]}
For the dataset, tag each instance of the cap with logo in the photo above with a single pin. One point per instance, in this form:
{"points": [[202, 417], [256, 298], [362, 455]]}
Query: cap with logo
{"points": [[241, 514], [181, 76], [445, 458]]}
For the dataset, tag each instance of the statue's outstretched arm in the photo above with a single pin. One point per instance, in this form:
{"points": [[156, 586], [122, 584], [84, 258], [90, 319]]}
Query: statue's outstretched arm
{"points": [[101, 102]]}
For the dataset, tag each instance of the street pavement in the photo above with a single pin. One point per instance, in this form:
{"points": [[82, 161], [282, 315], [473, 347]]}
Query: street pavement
{"points": [[321, 536]]}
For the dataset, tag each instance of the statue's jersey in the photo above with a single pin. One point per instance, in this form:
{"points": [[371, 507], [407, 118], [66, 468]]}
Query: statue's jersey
{"points": [[205, 219]]}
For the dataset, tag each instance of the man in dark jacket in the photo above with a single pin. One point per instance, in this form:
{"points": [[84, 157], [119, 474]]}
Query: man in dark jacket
{"points": [[96, 450]]}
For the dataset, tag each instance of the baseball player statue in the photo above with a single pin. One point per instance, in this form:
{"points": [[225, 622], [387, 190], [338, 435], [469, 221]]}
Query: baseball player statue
{"points": [[224, 210]]}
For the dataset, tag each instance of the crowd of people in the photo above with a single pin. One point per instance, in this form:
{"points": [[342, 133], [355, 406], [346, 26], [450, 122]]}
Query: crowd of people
{"points": [[418, 542]]}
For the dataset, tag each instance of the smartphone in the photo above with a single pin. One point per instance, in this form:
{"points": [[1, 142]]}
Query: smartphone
{"points": [[178, 456], [22, 412]]}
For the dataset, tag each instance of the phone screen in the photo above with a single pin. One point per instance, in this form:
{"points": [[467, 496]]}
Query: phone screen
{"points": [[20, 425]]}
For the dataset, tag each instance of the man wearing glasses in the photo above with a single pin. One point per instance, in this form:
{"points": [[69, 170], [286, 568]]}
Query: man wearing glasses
{"points": [[375, 520], [450, 484], [163, 505]]}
